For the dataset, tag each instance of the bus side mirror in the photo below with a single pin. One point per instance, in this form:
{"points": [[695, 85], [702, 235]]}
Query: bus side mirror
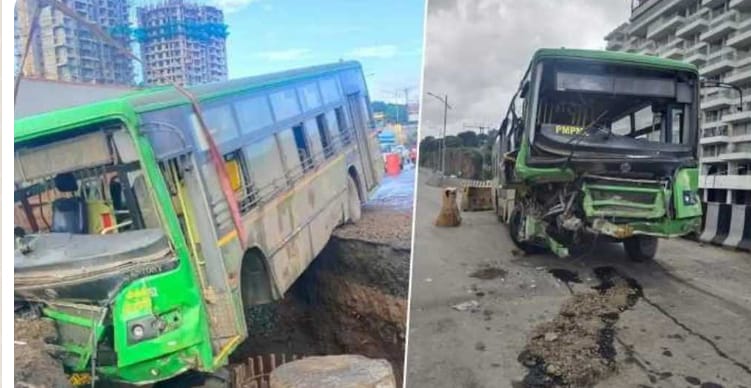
{"points": [[524, 90]]}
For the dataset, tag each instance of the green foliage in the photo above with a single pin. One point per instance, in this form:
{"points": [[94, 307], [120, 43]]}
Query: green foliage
{"points": [[469, 138], [391, 111]]}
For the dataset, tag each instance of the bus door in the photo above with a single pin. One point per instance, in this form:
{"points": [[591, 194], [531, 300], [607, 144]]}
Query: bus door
{"points": [[182, 176], [360, 124]]}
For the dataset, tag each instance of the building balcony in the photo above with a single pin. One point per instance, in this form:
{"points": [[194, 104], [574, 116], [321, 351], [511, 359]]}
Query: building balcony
{"points": [[615, 45], [697, 54], [741, 137], [720, 26], [741, 38], [711, 3], [738, 155], [740, 4], [738, 117], [732, 182], [722, 139], [673, 50], [711, 159], [664, 26], [740, 75], [718, 100], [696, 23], [718, 63]]}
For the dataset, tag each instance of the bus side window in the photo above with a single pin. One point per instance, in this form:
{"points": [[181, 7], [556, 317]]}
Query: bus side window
{"points": [[292, 164], [315, 142], [325, 134], [264, 161], [303, 150], [341, 123], [237, 172]]}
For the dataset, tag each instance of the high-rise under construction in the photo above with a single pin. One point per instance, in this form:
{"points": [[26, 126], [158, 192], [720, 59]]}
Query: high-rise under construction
{"points": [[65, 50], [182, 42]]}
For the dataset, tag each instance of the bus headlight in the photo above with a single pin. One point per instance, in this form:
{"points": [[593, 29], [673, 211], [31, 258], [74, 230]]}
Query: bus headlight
{"points": [[137, 332], [143, 328]]}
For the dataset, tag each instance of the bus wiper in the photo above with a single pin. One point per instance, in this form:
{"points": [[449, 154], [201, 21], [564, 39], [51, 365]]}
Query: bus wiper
{"points": [[584, 132]]}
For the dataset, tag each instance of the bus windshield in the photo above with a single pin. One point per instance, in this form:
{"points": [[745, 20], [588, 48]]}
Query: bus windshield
{"points": [[616, 108], [85, 189]]}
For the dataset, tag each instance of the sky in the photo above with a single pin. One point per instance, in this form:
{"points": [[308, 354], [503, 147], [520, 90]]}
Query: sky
{"points": [[476, 51], [273, 35]]}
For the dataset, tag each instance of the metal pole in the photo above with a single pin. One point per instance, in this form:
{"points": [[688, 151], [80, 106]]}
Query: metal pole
{"points": [[443, 138]]}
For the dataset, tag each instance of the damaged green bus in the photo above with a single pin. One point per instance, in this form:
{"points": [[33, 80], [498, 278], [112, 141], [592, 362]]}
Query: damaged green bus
{"points": [[604, 144], [146, 249]]}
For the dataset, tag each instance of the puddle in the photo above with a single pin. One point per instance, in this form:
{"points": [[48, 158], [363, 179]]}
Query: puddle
{"points": [[577, 348], [489, 273], [565, 275]]}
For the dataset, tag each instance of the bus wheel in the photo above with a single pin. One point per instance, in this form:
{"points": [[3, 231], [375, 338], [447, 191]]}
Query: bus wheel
{"points": [[353, 200], [641, 248], [514, 228]]}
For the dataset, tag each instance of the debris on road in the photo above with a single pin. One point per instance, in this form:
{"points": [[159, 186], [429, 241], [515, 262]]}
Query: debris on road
{"points": [[34, 363], [488, 273], [576, 348], [334, 371], [470, 305]]}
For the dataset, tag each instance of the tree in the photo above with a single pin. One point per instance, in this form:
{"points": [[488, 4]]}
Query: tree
{"points": [[391, 111], [453, 141], [468, 138], [428, 143]]}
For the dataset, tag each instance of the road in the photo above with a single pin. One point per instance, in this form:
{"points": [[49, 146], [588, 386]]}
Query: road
{"points": [[691, 328]]}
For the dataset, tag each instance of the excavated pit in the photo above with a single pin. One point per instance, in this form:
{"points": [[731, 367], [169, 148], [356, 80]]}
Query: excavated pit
{"points": [[351, 300]]}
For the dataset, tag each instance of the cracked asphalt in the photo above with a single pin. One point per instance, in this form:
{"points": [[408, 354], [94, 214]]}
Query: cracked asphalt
{"points": [[691, 328]]}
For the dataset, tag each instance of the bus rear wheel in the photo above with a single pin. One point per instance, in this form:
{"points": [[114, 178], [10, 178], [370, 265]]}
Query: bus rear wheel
{"points": [[353, 200], [641, 248]]}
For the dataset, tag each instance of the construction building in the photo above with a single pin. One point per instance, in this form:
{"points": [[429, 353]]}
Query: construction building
{"points": [[64, 50], [182, 42], [715, 35]]}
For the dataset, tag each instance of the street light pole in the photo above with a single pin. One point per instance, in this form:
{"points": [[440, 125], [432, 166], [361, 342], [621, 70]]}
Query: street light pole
{"points": [[446, 107]]}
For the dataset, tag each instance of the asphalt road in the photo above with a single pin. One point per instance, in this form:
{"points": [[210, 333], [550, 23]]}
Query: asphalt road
{"points": [[692, 327]]}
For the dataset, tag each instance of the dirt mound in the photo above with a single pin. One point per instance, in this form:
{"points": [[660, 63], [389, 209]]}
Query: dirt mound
{"points": [[576, 347], [35, 364]]}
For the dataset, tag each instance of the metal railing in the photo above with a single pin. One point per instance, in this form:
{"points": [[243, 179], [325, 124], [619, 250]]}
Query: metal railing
{"points": [[250, 195]]}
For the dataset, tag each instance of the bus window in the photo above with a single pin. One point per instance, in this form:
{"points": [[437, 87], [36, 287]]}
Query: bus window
{"points": [[303, 151], [265, 166], [290, 157], [239, 179], [310, 97], [221, 123], [315, 143], [253, 113], [285, 104], [323, 132], [341, 122]]}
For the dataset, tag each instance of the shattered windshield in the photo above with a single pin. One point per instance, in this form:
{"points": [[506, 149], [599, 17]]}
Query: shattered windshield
{"points": [[90, 184], [616, 102]]}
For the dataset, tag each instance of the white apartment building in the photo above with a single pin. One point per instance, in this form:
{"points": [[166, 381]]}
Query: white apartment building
{"points": [[715, 35]]}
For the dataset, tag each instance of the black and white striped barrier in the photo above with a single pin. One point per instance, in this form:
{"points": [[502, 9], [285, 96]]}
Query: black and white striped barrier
{"points": [[727, 225]]}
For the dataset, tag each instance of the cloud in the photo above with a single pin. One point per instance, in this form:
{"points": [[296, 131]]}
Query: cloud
{"points": [[229, 6], [381, 51], [293, 54], [476, 51]]}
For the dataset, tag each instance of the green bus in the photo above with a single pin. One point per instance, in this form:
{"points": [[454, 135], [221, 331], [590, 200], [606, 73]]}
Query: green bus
{"points": [[147, 225], [603, 144]]}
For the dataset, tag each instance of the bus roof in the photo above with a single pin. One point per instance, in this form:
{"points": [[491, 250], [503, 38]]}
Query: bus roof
{"points": [[614, 56], [125, 107]]}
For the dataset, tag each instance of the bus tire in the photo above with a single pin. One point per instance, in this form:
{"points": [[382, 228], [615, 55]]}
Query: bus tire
{"points": [[514, 227], [641, 248], [353, 200]]}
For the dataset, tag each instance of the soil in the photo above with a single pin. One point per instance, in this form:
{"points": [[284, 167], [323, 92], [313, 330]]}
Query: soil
{"points": [[35, 363], [351, 300], [488, 273], [577, 347], [381, 226]]}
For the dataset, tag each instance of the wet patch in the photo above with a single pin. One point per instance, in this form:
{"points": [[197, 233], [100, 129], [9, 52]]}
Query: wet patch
{"points": [[692, 380], [565, 275], [577, 348], [488, 273]]}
